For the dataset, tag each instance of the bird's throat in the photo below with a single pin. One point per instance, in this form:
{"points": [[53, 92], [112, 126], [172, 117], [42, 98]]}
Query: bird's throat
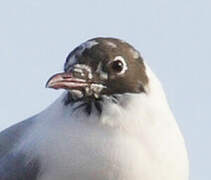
{"points": [[89, 105]]}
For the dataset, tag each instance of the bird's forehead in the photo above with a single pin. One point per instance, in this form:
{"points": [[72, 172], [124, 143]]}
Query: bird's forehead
{"points": [[73, 57], [100, 49]]}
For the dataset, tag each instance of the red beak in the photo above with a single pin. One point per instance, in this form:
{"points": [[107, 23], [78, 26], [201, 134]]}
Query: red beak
{"points": [[66, 81]]}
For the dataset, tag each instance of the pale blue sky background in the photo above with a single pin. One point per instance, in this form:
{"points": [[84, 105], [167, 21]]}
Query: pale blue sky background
{"points": [[173, 37]]}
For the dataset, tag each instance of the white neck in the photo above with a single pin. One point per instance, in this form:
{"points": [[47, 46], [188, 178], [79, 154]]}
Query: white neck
{"points": [[141, 129]]}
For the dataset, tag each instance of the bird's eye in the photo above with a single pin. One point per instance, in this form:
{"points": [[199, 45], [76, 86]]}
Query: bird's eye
{"points": [[119, 65]]}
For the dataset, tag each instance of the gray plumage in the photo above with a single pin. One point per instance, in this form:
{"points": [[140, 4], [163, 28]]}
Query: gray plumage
{"points": [[13, 162]]}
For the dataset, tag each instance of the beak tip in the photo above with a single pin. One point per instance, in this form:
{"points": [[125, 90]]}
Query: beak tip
{"points": [[48, 85]]}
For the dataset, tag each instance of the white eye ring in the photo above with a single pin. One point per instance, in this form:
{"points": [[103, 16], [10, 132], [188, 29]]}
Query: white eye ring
{"points": [[124, 64]]}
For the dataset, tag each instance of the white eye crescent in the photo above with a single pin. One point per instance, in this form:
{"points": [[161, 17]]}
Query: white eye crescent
{"points": [[119, 65]]}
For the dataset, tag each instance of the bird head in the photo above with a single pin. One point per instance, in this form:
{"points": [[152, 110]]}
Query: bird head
{"points": [[101, 67]]}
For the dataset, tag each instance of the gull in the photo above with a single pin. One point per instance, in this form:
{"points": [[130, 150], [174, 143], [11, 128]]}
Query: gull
{"points": [[112, 122]]}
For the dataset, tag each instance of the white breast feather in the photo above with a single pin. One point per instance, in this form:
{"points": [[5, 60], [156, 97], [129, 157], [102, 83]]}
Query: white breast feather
{"points": [[141, 142]]}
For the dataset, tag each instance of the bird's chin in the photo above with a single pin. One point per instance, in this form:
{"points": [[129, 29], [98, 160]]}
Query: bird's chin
{"points": [[76, 94], [83, 95], [93, 91]]}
